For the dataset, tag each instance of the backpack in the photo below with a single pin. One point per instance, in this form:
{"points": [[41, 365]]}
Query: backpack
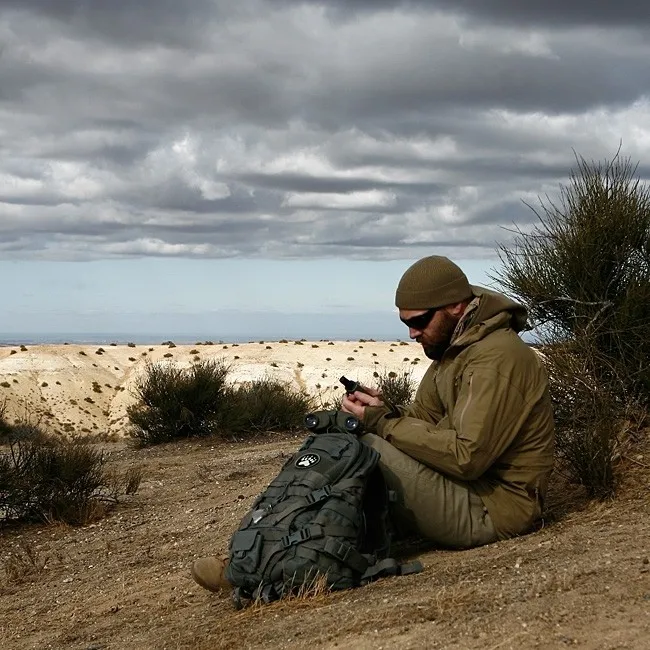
{"points": [[325, 514]]}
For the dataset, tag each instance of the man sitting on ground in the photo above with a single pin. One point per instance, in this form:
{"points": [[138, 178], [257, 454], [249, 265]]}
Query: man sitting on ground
{"points": [[470, 458]]}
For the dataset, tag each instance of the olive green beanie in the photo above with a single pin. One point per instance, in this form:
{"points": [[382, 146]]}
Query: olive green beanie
{"points": [[433, 281]]}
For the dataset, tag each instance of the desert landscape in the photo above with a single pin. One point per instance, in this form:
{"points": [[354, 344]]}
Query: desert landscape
{"points": [[81, 390], [123, 581]]}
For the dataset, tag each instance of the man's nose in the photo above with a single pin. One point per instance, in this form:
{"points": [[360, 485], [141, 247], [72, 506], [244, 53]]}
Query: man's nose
{"points": [[413, 333]]}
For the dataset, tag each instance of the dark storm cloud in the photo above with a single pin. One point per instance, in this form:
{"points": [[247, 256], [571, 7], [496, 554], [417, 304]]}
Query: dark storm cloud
{"points": [[124, 21], [544, 12], [277, 129]]}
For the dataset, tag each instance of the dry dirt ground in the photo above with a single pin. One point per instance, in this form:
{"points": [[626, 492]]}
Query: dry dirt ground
{"points": [[582, 580]]}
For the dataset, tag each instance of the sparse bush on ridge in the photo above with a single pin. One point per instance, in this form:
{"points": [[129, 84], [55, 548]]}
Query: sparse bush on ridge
{"points": [[398, 388], [583, 272], [174, 403]]}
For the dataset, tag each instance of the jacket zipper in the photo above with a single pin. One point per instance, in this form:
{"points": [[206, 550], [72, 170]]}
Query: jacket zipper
{"points": [[469, 399]]}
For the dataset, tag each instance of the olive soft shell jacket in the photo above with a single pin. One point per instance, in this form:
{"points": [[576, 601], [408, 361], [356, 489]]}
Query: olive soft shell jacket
{"points": [[482, 415]]}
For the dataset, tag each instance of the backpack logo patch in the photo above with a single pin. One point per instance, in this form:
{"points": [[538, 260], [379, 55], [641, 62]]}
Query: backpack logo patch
{"points": [[308, 460]]}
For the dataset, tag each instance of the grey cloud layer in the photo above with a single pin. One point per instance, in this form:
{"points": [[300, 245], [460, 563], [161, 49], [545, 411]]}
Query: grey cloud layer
{"points": [[277, 129], [544, 12]]}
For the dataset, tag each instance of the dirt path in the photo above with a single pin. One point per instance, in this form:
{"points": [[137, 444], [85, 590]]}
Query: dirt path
{"points": [[583, 580]]}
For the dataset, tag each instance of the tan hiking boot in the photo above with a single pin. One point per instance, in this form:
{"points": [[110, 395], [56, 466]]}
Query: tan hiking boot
{"points": [[210, 573]]}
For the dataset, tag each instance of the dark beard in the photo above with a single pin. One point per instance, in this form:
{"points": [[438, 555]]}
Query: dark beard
{"points": [[437, 350]]}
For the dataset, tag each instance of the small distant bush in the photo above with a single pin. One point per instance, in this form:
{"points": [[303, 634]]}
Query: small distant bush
{"points": [[130, 345], [12, 352], [82, 353], [168, 355], [131, 358], [5, 384], [396, 388], [194, 351], [23, 348]]}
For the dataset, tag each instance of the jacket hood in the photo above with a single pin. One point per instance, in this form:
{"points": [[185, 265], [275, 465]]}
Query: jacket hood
{"points": [[492, 303], [493, 311]]}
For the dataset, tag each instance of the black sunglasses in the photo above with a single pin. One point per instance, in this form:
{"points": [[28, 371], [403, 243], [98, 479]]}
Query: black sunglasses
{"points": [[421, 321]]}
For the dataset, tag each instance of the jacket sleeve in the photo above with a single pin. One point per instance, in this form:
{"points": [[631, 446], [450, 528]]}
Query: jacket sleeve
{"points": [[487, 416]]}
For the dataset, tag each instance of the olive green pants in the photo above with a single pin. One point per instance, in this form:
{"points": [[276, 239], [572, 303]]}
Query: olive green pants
{"points": [[441, 509]]}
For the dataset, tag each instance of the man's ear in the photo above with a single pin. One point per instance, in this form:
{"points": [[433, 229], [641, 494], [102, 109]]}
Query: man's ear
{"points": [[456, 310]]}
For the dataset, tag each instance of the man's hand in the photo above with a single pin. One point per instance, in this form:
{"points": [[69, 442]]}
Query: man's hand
{"points": [[355, 403]]}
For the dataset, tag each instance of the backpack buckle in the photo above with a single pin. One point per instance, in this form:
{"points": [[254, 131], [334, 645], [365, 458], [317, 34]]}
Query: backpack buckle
{"points": [[319, 495], [301, 535]]}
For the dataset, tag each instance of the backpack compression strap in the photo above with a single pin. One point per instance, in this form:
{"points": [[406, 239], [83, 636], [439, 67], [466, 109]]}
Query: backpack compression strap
{"points": [[390, 567]]}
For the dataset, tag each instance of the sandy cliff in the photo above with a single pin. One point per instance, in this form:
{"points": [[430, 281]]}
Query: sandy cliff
{"points": [[85, 389]]}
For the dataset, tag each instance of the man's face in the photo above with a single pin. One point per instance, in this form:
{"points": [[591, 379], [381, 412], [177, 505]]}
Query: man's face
{"points": [[435, 336]]}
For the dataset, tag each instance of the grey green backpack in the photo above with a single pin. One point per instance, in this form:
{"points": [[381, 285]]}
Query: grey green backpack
{"points": [[325, 514]]}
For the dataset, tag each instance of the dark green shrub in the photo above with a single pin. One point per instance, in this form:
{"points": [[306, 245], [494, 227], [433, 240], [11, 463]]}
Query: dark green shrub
{"points": [[587, 419], [265, 405], [46, 479], [177, 403], [583, 272]]}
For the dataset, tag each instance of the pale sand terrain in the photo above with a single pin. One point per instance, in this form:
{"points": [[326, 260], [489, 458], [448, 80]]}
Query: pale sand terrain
{"points": [[75, 390]]}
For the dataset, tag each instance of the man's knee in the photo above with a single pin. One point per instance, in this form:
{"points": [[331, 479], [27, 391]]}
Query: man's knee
{"points": [[442, 509]]}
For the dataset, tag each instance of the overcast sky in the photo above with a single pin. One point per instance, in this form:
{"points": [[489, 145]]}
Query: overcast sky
{"points": [[173, 165]]}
